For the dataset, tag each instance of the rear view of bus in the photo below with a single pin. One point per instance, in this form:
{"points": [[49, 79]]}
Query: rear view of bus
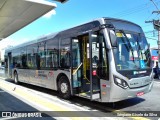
{"points": [[130, 67]]}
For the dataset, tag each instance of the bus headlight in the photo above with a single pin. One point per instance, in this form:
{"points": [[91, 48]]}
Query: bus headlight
{"points": [[121, 83]]}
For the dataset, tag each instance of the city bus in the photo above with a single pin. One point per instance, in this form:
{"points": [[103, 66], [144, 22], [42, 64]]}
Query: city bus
{"points": [[105, 60]]}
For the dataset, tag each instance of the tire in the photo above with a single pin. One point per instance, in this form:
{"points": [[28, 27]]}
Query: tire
{"points": [[64, 87], [16, 77]]}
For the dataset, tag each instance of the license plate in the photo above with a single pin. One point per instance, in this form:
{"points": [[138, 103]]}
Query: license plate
{"points": [[140, 93]]}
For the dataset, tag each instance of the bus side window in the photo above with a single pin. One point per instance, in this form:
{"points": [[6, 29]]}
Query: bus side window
{"points": [[65, 59], [16, 62], [41, 56], [31, 56], [38, 61], [65, 53], [24, 61], [52, 53]]}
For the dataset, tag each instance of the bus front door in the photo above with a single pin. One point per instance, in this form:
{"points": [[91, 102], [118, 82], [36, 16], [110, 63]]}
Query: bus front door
{"points": [[94, 54], [85, 55], [99, 67]]}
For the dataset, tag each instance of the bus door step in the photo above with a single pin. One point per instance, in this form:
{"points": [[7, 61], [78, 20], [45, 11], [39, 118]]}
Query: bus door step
{"points": [[96, 91], [96, 96]]}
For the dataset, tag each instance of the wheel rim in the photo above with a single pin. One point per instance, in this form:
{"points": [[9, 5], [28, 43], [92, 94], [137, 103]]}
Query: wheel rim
{"points": [[64, 87]]}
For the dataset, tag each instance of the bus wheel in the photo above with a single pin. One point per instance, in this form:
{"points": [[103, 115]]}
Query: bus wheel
{"points": [[16, 77], [64, 87]]}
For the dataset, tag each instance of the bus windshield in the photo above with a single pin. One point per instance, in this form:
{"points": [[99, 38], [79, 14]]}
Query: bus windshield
{"points": [[132, 51]]}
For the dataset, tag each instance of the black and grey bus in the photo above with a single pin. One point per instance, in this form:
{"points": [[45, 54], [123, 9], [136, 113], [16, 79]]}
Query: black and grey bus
{"points": [[105, 60]]}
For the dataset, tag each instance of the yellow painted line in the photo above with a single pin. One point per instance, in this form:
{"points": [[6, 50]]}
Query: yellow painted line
{"points": [[2, 78], [41, 101], [140, 118], [48, 104], [33, 98]]}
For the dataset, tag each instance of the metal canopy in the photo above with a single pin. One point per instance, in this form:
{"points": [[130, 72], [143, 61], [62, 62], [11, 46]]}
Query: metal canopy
{"points": [[16, 14]]}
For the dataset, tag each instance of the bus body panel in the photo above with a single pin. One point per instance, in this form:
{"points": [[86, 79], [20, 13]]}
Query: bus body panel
{"points": [[118, 93], [109, 91], [42, 78], [105, 90]]}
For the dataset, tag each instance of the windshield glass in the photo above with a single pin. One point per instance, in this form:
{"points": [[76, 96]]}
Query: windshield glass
{"points": [[132, 51]]}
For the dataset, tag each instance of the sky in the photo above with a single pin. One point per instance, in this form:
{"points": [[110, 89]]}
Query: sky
{"points": [[76, 12]]}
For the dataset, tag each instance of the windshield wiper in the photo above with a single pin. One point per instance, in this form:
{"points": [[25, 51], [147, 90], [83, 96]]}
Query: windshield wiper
{"points": [[129, 44]]}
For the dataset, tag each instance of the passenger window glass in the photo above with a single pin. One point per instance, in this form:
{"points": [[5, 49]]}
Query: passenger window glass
{"points": [[24, 57], [65, 53], [76, 51], [16, 58], [31, 56], [41, 60], [52, 54]]}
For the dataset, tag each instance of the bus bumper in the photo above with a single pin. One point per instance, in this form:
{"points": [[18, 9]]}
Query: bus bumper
{"points": [[118, 93]]}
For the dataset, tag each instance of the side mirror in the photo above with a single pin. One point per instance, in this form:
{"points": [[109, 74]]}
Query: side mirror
{"points": [[113, 38]]}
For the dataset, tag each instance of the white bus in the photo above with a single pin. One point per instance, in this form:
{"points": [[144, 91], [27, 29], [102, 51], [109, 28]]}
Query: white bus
{"points": [[105, 60]]}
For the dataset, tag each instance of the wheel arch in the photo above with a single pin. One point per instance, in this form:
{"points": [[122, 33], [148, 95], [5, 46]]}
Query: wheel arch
{"points": [[67, 94], [59, 76]]}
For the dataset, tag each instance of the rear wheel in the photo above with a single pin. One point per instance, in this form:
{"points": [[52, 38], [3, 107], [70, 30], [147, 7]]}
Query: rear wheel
{"points": [[64, 87], [16, 77]]}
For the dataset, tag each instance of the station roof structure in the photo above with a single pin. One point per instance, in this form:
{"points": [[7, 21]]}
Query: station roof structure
{"points": [[16, 14]]}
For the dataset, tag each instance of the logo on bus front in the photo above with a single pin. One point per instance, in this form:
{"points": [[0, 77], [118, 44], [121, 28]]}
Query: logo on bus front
{"points": [[138, 72]]}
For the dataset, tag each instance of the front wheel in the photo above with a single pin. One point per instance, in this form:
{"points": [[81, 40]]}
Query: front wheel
{"points": [[16, 77], [64, 87]]}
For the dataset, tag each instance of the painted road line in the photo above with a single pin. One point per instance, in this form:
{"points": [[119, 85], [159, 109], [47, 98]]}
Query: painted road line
{"points": [[9, 118], [2, 78], [39, 100], [35, 99], [10, 87], [52, 98]]}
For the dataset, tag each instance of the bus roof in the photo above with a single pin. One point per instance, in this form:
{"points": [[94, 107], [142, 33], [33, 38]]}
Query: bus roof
{"points": [[16, 14], [117, 19], [76, 29], [120, 24]]}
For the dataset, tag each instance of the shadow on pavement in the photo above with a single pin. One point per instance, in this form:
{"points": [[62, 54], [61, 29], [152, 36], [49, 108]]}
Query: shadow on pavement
{"points": [[11, 105]]}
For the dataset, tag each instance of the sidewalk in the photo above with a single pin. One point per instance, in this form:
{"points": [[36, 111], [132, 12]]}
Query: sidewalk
{"points": [[55, 107]]}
